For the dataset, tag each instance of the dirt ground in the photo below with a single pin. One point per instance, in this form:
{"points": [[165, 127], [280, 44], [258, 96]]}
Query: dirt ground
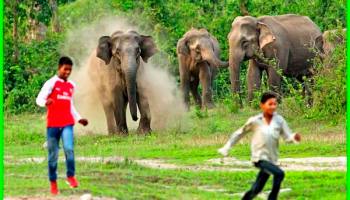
{"points": [[221, 164]]}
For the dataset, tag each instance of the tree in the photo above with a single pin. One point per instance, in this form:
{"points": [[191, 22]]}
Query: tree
{"points": [[15, 37], [55, 20]]}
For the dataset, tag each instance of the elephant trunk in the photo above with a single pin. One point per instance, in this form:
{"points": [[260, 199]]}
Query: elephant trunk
{"points": [[130, 77], [214, 59], [221, 63], [235, 65]]}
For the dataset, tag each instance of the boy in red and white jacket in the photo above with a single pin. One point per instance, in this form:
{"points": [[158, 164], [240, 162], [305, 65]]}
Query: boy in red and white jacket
{"points": [[57, 96]]}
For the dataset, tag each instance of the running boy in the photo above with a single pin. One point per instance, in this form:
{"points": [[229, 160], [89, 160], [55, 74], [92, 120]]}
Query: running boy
{"points": [[267, 127], [56, 95]]}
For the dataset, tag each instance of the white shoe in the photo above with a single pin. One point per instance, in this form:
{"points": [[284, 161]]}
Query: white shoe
{"points": [[223, 151], [45, 145]]}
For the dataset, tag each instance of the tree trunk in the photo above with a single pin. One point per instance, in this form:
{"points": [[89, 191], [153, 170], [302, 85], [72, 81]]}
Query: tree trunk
{"points": [[54, 20], [14, 5]]}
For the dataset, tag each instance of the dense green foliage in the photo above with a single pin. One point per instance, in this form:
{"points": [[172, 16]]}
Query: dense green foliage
{"points": [[24, 79], [167, 21]]}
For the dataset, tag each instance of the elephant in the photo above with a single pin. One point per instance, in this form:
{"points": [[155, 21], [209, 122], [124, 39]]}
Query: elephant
{"points": [[331, 38], [291, 40], [115, 66], [198, 54]]}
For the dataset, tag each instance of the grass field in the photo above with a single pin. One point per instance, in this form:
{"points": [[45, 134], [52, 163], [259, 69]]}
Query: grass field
{"points": [[186, 148], [25, 135]]}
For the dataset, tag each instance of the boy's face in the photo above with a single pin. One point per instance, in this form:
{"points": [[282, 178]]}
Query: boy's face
{"points": [[64, 71], [270, 106]]}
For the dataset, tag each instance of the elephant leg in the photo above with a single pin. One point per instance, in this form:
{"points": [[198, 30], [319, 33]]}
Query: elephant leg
{"points": [[185, 85], [145, 120], [205, 79], [214, 72], [274, 80], [253, 79], [108, 108], [308, 85], [120, 114], [274, 77], [307, 94], [194, 90]]}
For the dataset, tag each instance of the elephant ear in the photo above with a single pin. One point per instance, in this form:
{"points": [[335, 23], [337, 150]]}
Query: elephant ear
{"points": [[148, 47], [104, 49], [182, 47], [266, 36], [319, 43]]}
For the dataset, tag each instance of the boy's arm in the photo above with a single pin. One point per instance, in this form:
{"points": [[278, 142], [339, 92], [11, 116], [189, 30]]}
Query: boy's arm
{"points": [[44, 93], [74, 111], [235, 137], [287, 134]]}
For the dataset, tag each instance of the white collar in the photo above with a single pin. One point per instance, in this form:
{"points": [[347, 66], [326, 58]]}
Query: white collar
{"points": [[261, 115], [60, 79]]}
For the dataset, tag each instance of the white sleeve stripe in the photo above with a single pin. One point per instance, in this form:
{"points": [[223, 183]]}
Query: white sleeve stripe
{"points": [[45, 91]]}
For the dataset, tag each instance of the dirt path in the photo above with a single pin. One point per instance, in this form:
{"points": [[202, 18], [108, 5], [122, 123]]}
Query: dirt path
{"points": [[217, 164], [292, 164]]}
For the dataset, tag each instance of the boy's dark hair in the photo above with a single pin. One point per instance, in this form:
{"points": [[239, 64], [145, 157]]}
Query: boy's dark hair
{"points": [[64, 60], [266, 96]]}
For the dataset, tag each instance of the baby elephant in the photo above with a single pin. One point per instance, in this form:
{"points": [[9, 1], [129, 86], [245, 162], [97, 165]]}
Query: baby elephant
{"points": [[198, 53]]}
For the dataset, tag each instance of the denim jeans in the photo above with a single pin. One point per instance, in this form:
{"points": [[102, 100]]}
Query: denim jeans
{"points": [[266, 168], [54, 134]]}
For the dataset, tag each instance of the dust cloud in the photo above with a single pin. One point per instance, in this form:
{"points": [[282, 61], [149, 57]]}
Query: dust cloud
{"points": [[167, 109]]}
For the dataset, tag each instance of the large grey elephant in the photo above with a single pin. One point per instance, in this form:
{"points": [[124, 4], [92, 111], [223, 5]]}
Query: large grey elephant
{"points": [[198, 54], [114, 66], [289, 39]]}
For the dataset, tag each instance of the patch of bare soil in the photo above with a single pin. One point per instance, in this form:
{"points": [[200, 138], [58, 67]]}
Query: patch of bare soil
{"points": [[217, 164]]}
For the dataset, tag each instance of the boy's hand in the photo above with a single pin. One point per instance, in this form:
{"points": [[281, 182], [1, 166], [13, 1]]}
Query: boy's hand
{"points": [[83, 122], [48, 102], [297, 137]]}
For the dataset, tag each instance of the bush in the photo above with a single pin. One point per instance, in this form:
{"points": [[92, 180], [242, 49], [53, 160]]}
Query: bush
{"points": [[330, 83], [23, 80]]}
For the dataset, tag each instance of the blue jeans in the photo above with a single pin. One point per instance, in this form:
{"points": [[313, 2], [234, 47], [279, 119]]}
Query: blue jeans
{"points": [[266, 169], [53, 138]]}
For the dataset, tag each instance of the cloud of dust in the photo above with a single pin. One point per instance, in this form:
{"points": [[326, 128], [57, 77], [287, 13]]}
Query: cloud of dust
{"points": [[167, 109]]}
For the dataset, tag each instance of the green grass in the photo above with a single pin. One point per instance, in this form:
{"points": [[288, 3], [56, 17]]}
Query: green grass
{"points": [[130, 181], [205, 132], [194, 146], [25, 134]]}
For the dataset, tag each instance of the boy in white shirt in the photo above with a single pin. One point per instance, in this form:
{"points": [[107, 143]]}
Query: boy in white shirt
{"points": [[267, 128]]}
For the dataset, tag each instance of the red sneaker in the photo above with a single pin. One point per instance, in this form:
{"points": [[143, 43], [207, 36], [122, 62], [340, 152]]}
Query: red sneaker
{"points": [[53, 188], [72, 182]]}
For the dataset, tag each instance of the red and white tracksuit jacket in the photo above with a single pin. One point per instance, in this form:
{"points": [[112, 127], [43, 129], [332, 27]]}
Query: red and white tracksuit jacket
{"points": [[61, 112]]}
